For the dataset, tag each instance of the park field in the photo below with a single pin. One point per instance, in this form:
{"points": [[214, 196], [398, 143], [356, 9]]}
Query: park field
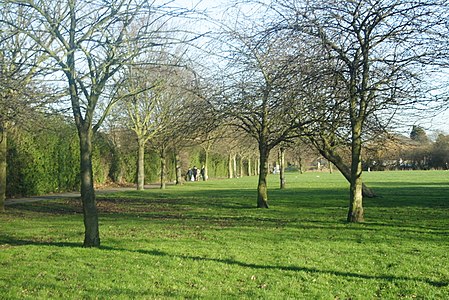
{"points": [[207, 240]]}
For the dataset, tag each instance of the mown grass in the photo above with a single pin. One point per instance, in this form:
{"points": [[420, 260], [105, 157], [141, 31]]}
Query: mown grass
{"points": [[206, 240]]}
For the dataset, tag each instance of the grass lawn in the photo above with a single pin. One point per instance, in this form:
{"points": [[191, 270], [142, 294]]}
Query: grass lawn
{"points": [[207, 240]]}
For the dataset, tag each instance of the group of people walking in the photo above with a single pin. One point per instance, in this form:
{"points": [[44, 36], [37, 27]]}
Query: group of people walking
{"points": [[193, 174]]}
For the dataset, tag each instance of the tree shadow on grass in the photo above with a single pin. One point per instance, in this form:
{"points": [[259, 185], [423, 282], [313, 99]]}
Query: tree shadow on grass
{"points": [[394, 194], [16, 242]]}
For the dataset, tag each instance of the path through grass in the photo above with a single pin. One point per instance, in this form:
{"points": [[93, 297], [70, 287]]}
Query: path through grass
{"points": [[206, 240]]}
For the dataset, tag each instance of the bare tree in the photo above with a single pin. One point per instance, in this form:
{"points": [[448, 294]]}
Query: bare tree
{"points": [[259, 95], [87, 43], [143, 96], [176, 114], [376, 50]]}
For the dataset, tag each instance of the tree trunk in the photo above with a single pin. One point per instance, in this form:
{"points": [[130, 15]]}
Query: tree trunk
{"points": [[335, 159], [366, 191], [3, 164], [230, 169], [301, 167], [206, 167], [234, 165], [249, 166], [257, 167], [178, 170], [163, 168], [241, 167], [282, 167], [262, 192], [92, 234], [355, 213], [141, 165]]}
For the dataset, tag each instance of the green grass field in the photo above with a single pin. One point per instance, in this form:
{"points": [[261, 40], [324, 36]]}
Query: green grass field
{"points": [[207, 240]]}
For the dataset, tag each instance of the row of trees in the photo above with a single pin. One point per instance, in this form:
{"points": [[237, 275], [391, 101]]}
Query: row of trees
{"points": [[333, 73], [45, 158]]}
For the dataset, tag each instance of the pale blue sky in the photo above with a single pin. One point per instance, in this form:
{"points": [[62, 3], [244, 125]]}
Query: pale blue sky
{"points": [[431, 122]]}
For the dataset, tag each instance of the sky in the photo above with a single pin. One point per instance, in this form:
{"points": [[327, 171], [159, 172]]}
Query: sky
{"points": [[433, 123]]}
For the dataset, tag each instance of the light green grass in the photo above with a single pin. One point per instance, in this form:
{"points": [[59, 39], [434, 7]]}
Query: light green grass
{"points": [[206, 240]]}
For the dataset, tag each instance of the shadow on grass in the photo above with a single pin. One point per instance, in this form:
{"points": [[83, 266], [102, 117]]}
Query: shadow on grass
{"points": [[394, 194], [16, 242], [56, 207]]}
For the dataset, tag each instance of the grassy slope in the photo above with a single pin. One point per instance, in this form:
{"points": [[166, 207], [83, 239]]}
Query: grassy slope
{"points": [[206, 240]]}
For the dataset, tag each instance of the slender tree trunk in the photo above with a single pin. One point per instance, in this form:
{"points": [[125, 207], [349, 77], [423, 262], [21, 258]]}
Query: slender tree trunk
{"points": [[206, 165], [163, 168], [282, 167], [3, 164], [230, 169], [301, 167], [355, 213], [262, 192], [234, 165], [92, 234], [241, 171], [178, 170], [257, 166], [141, 165], [249, 167]]}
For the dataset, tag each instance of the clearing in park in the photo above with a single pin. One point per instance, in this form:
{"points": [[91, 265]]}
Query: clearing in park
{"points": [[207, 240]]}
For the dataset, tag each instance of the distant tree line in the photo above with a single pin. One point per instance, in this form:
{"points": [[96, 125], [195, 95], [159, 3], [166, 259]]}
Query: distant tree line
{"points": [[416, 152]]}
